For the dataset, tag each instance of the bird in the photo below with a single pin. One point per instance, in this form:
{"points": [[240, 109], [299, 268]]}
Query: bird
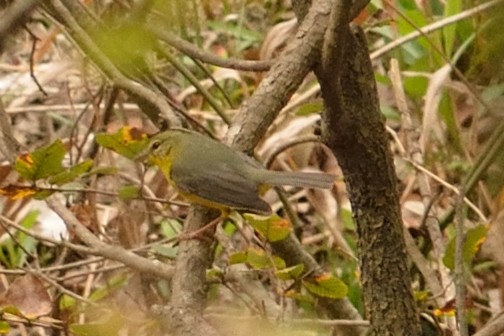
{"points": [[209, 173]]}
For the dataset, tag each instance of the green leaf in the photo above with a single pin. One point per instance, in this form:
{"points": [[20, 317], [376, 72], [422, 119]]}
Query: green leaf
{"points": [[169, 252], [14, 249], [214, 274], [246, 37], [28, 222], [421, 295], [408, 4], [347, 219], [484, 266], [327, 286], [238, 258], [170, 228], [290, 273], [413, 51], [28, 243], [310, 108], [390, 113], [42, 162], [112, 284], [128, 141], [105, 170], [13, 310], [474, 238], [449, 31], [129, 192], [67, 302], [300, 297], [386, 32], [415, 86], [43, 194], [127, 45], [111, 324], [272, 228], [4, 327], [447, 113], [258, 259], [72, 173]]}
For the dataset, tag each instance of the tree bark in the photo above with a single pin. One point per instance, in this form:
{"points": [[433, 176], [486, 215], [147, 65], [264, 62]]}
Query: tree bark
{"points": [[354, 130]]}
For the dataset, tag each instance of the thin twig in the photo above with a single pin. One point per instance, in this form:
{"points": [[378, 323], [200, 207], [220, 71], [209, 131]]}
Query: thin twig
{"points": [[454, 189], [433, 27], [460, 272], [438, 179], [59, 287], [30, 322], [196, 83], [190, 50], [494, 327], [42, 238], [35, 39], [69, 108], [116, 253], [301, 322]]}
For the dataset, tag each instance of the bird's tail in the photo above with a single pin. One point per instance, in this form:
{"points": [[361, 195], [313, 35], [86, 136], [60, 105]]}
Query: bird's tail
{"points": [[299, 179]]}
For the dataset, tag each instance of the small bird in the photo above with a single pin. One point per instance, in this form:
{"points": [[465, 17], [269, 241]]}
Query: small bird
{"points": [[209, 173]]}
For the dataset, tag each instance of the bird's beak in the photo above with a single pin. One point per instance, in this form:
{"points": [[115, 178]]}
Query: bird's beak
{"points": [[142, 156]]}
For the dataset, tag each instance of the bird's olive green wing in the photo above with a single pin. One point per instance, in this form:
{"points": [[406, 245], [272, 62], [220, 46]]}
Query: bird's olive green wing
{"points": [[223, 188]]}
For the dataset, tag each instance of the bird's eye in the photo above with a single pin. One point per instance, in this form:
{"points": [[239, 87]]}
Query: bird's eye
{"points": [[155, 145]]}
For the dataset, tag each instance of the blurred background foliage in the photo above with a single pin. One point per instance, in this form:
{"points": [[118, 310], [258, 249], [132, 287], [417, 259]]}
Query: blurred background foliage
{"points": [[452, 79]]}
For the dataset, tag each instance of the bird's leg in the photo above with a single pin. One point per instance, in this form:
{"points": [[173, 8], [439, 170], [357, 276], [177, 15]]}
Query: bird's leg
{"points": [[199, 233]]}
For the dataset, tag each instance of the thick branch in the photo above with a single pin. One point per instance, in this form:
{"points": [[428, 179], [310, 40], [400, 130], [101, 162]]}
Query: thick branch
{"points": [[282, 80], [189, 285], [355, 131], [14, 17], [184, 321], [9, 146], [302, 54], [194, 258]]}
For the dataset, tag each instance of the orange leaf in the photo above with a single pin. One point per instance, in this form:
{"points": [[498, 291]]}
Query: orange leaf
{"points": [[26, 158], [322, 277], [17, 192], [130, 134]]}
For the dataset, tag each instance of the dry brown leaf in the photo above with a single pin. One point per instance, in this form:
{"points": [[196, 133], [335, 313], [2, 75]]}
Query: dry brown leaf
{"points": [[276, 39], [28, 294], [493, 246], [431, 122]]}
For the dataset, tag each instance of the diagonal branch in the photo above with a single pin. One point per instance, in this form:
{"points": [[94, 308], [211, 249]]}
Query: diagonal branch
{"points": [[14, 17], [77, 27], [282, 80], [116, 253]]}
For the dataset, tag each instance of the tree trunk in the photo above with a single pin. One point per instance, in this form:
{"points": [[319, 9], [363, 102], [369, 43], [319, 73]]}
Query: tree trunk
{"points": [[354, 130]]}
